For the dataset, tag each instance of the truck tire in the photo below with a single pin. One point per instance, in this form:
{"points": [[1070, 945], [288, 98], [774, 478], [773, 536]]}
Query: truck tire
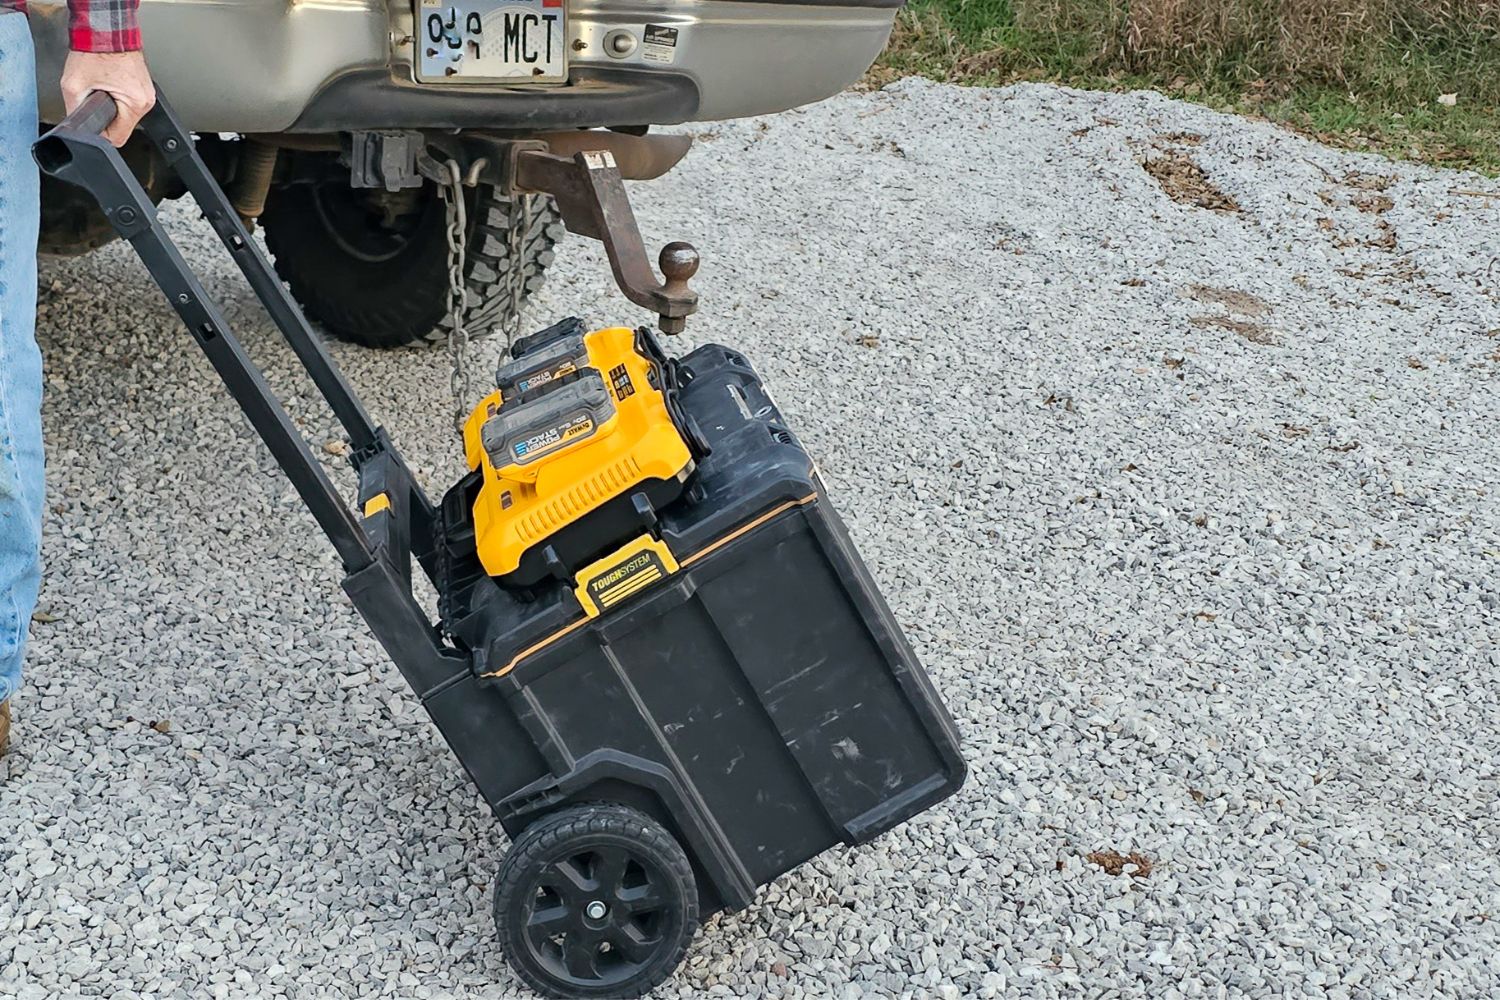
{"points": [[71, 222], [376, 275]]}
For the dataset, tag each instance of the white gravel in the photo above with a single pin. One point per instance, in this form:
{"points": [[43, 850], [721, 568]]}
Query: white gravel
{"points": [[1230, 605]]}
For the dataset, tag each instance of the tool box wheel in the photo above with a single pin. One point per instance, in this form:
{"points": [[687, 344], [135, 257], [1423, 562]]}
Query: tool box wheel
{"points": [[596, 900]]}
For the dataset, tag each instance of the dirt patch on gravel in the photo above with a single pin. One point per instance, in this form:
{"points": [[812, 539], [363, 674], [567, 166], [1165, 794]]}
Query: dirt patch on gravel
{"points": [[1375, 204], [1232, 299], [1385, 238], [1253, 332], [1368, 182], [1186, 183], [1113, 863]]}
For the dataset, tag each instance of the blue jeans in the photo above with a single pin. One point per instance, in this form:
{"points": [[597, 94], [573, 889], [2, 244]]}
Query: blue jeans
{"points": [[21, 475]]}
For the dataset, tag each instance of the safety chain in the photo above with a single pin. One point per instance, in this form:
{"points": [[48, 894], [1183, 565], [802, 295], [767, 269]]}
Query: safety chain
{"points": [[458, 291]]}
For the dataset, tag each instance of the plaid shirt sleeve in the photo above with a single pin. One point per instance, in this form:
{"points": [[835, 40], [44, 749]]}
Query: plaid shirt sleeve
{"points": [[103, 26]]}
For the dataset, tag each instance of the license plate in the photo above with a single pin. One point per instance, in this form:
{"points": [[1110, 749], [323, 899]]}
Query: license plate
{"points": [[492, 41]]}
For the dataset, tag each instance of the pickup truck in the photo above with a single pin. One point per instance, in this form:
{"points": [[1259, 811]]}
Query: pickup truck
{"points": [[308, 109]]}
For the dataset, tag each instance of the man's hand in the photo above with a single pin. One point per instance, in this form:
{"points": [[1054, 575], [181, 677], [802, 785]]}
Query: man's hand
{"points": [[121, 75]]}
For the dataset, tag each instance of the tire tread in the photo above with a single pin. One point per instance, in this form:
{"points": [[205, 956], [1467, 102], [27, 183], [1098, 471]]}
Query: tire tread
{"points": [[415, 318]]}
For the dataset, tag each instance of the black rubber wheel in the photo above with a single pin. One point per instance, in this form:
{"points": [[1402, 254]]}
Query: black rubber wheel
{"points": [[595, 901], [372, 266]]}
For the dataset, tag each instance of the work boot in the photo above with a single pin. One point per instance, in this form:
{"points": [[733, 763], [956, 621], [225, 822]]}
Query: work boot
{"points": [[4, 725]]}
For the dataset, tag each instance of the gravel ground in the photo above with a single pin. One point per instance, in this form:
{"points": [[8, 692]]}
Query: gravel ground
{"points": [[1190, 510]]}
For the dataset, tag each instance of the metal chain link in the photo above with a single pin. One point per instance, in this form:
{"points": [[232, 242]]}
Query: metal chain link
{"points": [[458, 291]]}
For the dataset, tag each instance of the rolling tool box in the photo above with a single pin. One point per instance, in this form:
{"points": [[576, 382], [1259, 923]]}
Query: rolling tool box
{"points": [[693, 684]]}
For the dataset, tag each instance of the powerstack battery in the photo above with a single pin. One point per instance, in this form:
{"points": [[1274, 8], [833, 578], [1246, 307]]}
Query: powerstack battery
{"points": [[735, 657], [579, 426]]}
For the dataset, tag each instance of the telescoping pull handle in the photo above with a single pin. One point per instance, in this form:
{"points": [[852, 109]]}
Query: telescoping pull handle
{"points": [[76, 152], [56, 153], [92, 116]]}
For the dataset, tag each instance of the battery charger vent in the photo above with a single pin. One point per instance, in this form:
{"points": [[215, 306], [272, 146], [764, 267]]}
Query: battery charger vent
{"points": [[566, 507]]}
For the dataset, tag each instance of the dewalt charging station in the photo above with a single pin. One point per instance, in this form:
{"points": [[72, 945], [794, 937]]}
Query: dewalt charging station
{"points": [[656, 652]]}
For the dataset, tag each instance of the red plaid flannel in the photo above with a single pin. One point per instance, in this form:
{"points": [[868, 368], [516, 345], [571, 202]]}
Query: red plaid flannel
{"points": [[97, 25]]}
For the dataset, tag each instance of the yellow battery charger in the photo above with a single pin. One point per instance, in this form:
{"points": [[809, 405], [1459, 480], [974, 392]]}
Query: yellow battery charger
{"points": [[580, 427]]}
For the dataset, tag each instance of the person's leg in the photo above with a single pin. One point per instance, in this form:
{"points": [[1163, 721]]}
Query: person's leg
{"points": [[21, 475]]}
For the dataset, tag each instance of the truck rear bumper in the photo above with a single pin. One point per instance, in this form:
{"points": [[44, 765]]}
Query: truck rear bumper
{"points": [[334, 65]]}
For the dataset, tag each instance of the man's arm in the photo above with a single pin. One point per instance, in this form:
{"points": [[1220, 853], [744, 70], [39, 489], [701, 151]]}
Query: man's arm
{"points": [[105, 39]]}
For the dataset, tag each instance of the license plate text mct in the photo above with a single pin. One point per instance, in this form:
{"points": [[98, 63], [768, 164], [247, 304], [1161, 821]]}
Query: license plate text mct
{"points": [[521, 34]]}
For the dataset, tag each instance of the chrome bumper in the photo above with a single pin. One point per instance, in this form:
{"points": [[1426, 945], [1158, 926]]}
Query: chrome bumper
{"points": [[333, 65]]}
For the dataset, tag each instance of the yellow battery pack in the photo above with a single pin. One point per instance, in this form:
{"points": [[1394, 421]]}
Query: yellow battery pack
{"points": [[564, 448]]}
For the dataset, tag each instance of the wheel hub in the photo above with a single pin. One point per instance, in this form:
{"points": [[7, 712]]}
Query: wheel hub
{"points": [[595, 916], [595, 900]]}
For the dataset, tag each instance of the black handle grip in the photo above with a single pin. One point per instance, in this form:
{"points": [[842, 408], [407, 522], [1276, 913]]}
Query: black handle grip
{"points": [[53, 151], [92, 116]]}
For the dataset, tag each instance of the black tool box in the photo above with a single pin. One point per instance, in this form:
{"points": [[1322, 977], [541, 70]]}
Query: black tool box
{"points": [[661, 733], [764, 684]]}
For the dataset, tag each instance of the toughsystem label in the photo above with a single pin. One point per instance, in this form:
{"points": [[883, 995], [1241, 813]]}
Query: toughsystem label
{"points": [[624, 573], [625, 579]]}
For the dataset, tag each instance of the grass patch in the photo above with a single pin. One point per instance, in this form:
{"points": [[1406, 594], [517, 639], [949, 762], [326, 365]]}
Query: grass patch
{"points": [[1362, 74]]}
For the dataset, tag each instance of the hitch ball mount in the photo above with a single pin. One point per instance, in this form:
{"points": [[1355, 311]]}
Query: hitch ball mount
{"points": [[590, 192], [582, 171]]}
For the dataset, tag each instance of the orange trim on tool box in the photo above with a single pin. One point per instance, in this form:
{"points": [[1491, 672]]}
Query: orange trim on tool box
{"points": [[744, 528], [542, 644]]}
